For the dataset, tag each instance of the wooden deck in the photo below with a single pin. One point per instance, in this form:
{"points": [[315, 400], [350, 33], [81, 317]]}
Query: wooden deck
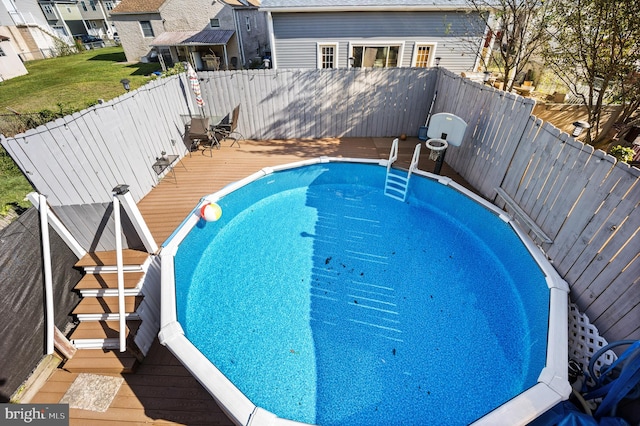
{"points": [[162, 391], [170, 202]]}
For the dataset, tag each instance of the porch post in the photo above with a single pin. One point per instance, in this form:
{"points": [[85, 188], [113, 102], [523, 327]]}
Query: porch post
{"points": [[58, 227], [124, 196], [48, 281]]}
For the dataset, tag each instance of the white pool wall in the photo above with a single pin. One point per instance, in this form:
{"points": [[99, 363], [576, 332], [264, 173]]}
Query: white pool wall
{"points": [[553, 383]]}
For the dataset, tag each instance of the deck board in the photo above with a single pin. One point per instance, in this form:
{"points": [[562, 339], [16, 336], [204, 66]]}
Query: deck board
{"points": [[162, 391], [198, 175]]}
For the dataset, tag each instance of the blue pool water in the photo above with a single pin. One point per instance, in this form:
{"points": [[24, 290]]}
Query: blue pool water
{"points": [[326, 302]]}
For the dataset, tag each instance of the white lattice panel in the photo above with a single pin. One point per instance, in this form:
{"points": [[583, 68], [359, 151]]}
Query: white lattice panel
{"points": [[584, 341]]}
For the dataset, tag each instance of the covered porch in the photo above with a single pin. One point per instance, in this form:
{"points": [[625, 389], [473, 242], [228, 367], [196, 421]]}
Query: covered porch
{"points": [[206, 50]]}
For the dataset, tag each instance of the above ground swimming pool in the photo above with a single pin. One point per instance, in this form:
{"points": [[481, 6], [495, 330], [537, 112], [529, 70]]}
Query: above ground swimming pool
{"points": [[316, 299]]}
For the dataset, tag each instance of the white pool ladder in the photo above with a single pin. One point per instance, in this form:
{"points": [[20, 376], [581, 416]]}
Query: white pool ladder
{"points": [[396, 183]]}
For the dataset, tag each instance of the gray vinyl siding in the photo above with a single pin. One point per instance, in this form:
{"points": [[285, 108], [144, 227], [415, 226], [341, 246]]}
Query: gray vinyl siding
{"points": [[5, 18], [296, 35]]}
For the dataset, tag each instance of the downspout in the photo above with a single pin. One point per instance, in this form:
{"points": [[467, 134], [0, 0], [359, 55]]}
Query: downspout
{"points": [[239, 37], [272, 41]]}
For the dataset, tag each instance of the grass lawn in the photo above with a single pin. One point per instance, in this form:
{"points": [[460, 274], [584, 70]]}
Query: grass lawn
{"points": [[73, 82], [63, 84], [13, 189]]}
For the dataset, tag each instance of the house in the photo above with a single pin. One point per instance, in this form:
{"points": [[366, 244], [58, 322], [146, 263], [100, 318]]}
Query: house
{"points": [[374, 33], [10, 64], [211, 35], [30, 34], [96, 15], [72, 18], [64, 16]]}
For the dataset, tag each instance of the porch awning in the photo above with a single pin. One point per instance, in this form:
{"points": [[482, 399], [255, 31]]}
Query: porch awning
{"points": [[193, 38]]}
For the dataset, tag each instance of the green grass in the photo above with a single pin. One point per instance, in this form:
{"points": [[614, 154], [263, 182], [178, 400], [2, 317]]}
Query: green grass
{"points": [[73, 82], [59, 86], [13, 186]]}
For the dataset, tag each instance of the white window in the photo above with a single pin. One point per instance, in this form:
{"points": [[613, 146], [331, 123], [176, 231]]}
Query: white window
{"points": [[84, 6], [48, 9], [378, 55], [109, 5], [214, 23], [327, 55], [146, 28], [247, 20], [423, 55], [2, 52]]}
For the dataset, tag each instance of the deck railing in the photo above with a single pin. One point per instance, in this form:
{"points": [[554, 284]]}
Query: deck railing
{"points": [[582, 199]]}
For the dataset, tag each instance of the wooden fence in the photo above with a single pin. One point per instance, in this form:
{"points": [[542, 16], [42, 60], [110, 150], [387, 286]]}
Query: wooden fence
{"points": [[582, 200], [356, 102], [77, 160]]}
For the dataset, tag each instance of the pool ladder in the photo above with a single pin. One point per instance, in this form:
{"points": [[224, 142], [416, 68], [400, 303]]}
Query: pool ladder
{"points": [[396, 183]]}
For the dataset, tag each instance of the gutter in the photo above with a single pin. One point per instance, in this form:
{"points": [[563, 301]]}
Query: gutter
{"points": [[137, 12], [386, 8]]}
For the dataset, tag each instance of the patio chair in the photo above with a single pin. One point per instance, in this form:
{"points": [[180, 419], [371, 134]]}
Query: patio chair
{"points": [[198, 132], [228, 130]]}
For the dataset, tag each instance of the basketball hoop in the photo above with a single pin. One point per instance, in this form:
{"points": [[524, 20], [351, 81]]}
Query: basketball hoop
{"points": [[436, 146]]}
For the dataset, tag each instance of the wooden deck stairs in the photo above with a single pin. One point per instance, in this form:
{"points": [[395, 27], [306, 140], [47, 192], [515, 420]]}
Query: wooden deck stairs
{"points": [[97, 335]]}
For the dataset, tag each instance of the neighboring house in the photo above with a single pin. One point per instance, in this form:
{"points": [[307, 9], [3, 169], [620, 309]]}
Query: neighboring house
{"points": [[373, 33], [64, 16], [210, 34], [31, 35], [10, 64], [97, 17], [76, 17]]}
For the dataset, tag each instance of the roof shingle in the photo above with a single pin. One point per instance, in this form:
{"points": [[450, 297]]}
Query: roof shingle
{"points": [[194, 38], [138, 6]]}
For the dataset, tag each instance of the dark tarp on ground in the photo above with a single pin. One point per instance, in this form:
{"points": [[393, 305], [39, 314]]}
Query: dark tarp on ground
{"points": [[22, 303]]}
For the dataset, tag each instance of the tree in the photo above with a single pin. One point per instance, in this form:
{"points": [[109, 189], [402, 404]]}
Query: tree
{"points": [[629, 97], [594, 50], [518, 27]]}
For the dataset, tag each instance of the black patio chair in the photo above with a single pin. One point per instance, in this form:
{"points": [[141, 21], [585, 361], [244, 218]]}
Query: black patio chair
{"points": [[228, 130]]}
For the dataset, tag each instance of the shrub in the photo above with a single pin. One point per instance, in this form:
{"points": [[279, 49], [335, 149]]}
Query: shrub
{"points": [[622, 153]]}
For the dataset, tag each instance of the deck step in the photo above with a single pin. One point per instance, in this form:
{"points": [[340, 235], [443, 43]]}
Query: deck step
{"points": [[108, 280], [101, 361], [109, 343], [106, 305], [108, 258], [106, 284], [100, 334], [101, 329], [97, 337]]}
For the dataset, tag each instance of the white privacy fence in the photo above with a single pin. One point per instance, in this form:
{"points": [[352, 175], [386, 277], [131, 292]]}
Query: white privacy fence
{"points": [[356, 102], [582, 200]]}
